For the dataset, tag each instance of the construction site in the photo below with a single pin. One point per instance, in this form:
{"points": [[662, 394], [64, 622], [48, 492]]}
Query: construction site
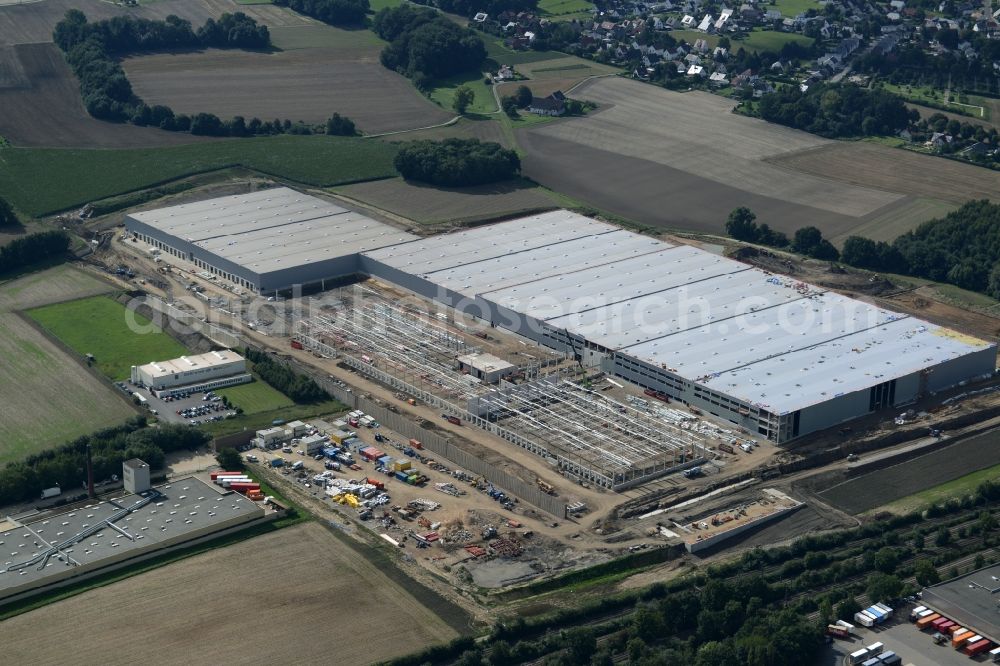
{"points": [[483, 345], [532, 396]]}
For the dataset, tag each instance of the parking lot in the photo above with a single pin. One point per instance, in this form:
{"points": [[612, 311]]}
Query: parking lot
{"points": [[195, 407], [902, 637]]}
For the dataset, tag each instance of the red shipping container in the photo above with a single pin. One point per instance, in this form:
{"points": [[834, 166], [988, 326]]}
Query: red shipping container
{"points": [[977, 647], [946, 626], [938, 622]]}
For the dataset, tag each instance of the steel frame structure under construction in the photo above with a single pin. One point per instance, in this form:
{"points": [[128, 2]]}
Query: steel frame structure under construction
{"points": [[588, 435], [595, 437]]}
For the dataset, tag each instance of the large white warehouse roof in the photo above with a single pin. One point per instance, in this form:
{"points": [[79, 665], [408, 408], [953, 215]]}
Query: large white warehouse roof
{"points": [[273, 229], [764, 339]]}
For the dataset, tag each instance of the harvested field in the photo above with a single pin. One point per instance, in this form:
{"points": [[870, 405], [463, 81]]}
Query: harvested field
{"points": [[697, 133], [429, 205], [878, 488], [296, 595], [565, 67], [308, 84], [46, 397], [656, 194], [538, 87], [41, 105], [32, 23], [898, 218], [895, 170]]}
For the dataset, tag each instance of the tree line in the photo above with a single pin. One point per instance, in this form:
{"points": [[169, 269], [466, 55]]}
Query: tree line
{"points": [[962, 248], [469, 8], [33, 249], [298, 387], [742, 225], [92, 51], [749, 610], [837, 110], [66, 465], [424, 45], [457, 162], [334, 12]]}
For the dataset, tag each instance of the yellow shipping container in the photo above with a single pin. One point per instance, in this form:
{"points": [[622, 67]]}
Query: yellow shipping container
{"points": [[400, 465]]}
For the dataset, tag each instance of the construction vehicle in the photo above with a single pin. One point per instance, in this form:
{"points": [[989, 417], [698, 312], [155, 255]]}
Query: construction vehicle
{"points": [[545, 487]]}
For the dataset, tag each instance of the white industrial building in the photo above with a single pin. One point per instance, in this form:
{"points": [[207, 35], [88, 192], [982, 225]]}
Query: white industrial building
{"points": [[776, 356], [487, 367], [265, 241], [202, 372], [767, 352]]}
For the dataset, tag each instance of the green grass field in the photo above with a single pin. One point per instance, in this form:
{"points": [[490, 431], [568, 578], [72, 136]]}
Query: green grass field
{"points": [[791, 8], [964, 485], [40, 181], [443, 93], [502, 55], [263, 419], [256, 397], [100, 326], [382, 4], [771, 40], [557, 9]]}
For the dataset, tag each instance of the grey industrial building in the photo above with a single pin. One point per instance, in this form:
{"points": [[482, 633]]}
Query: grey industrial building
{"points": [[62, 545], [265, 241], [972, 600], [767, 352]]}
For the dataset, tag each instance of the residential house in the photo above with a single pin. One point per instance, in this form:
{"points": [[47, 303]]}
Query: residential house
{"points": [[696, 70], [687, 21], [706, 24], [720, 22], [480, 17], [939, 141], [718, 79], [553, 105], [505, 73], [761, 87]]}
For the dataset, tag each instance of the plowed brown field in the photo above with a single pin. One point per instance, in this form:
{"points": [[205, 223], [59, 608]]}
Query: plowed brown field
{"points": [[294, 596]]}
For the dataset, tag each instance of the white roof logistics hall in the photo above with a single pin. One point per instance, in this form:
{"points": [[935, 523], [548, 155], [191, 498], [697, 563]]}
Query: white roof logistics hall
{"points": [[268, 240], [775, 355]]}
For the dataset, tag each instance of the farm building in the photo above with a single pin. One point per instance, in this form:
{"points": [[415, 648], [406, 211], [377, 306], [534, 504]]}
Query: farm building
{"points": [[776, 356], [265, 241], [970, 600], [203, 372]]}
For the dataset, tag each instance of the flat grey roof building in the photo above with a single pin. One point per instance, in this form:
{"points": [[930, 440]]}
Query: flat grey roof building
{"points": [[775, 355], [972, 600], [178, 511], [268, 240]]}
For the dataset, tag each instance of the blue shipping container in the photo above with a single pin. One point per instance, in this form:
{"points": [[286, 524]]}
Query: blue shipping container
{"points": [[402, 476], [879, 615]]}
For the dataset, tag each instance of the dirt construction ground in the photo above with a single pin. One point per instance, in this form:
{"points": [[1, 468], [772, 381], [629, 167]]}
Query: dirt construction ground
{"points": [[293, 596], [875, 489]]}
